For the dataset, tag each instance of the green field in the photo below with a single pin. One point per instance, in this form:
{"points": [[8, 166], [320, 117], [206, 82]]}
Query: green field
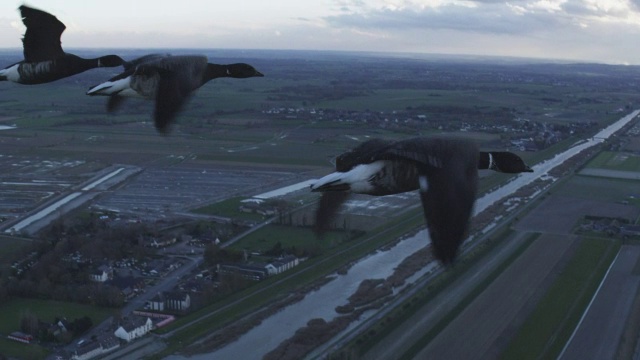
{"points": [[228, 208], [289, 236], [11, 246], [616, 161], [16, 350], [47, 311]]}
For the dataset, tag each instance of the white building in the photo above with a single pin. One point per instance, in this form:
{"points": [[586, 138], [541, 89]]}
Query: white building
{"points": [[134, 328], [282, 264]]}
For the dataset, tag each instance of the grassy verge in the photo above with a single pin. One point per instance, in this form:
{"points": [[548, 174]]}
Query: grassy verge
{"points": [[550, 325]]}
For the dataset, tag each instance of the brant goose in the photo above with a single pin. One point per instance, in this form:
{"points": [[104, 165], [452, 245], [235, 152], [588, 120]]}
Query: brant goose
{"points": [[445, 170], [44, 60], [169, 80]]}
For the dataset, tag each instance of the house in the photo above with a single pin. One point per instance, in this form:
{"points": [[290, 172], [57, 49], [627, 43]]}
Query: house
{"points": [[162, 242], [20, 336], [134, 328], [101, 274], [87, 351], [175, 301], [178, 301], [251, 272], [156, 303], [128, 285], [109, 343], [282, 264]]}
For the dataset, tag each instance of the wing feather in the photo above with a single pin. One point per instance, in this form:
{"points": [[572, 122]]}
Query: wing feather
{"points": [[448, 203], [41, 41], [328, 206]]}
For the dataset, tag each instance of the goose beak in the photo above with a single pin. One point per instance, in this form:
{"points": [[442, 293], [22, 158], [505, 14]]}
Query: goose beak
{"points": [[528, 169]]}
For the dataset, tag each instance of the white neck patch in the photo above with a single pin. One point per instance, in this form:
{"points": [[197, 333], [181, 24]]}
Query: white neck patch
{"points": [[424, 184]]}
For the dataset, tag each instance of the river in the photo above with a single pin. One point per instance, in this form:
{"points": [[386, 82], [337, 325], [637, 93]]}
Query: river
{"points": [[322, 302]]}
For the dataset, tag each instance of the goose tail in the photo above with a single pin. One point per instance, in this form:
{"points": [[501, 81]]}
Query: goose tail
{"points": [[110, 87]]}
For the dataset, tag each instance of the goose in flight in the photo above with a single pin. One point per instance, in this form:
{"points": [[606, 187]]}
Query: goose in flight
{"points": [[444, 170], [44, 60], [168, 80]]}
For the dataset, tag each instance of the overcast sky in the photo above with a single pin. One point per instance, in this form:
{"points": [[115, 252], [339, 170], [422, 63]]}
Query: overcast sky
{"points": [[605, 31]]}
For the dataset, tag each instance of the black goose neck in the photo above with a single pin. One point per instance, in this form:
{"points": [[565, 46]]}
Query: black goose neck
{"points": [[216, 71]]}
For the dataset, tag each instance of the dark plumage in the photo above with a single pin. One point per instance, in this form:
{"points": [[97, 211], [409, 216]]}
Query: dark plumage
{"points": [[44, 60], [445, 170], [169, 80]]}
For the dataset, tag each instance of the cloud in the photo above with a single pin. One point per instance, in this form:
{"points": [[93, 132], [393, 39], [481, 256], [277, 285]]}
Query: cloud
{"points": [[486, 16]]}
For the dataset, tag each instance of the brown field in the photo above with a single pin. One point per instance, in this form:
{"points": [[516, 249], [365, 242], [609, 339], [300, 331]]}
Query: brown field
{"points": [[559, 214]]}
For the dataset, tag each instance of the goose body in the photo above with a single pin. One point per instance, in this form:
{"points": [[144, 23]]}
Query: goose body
{"points": [[44, 60], [168, 80], [444, 170]]}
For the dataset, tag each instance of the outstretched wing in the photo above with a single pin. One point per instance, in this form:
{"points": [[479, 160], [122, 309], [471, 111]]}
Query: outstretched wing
{"points": [[146, 59], [41, 41], [179, 76], [170, 97], [365, 153], [328, 206], [430, 152], [447, 199]]}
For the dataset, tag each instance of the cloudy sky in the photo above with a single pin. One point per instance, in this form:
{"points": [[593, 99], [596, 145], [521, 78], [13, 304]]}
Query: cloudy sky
{"points": [[589, 30]]}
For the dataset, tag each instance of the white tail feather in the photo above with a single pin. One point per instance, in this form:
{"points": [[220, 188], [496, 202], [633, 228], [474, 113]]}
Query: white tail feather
{"points": [[119, 87], [357, 178]]}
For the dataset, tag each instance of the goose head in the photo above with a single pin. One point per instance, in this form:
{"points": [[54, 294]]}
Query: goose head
{"points": [[242, 70], [507, 162]]}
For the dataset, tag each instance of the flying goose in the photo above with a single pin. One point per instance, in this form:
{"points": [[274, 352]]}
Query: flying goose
{"points": [[169, 80], [44, 60], [445, 170]]}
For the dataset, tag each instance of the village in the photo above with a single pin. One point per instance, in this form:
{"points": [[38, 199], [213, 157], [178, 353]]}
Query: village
{"points": [[150, 290]]}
